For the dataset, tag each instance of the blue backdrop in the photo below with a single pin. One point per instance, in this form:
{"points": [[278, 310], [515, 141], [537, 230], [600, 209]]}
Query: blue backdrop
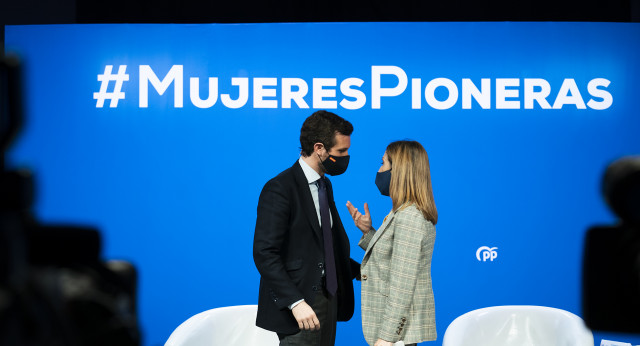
{"points": [[519, 120]]}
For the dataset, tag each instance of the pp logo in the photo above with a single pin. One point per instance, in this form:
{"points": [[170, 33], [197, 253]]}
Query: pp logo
{"points": [[485, 253]]}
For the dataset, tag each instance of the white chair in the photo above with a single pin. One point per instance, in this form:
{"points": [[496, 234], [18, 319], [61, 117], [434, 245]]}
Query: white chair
{"points": [[518, 325], [228, 326]]}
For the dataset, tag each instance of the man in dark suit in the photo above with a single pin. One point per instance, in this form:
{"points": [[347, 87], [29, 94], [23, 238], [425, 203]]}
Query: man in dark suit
{"points": [[300, 246]]}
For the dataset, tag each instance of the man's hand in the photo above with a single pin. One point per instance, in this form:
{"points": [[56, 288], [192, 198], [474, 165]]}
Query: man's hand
{"points": [[363, 222], [307, 319], [381, 342]]}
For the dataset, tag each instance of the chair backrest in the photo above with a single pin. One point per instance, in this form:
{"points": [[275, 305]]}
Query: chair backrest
{"points": [[229, 326], [518, 325]]}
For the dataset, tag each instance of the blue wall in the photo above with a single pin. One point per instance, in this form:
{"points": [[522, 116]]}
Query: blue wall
{"points": [[174, 188]]}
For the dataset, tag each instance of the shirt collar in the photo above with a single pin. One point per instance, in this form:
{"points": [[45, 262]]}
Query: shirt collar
{"points": [[309, 172]]}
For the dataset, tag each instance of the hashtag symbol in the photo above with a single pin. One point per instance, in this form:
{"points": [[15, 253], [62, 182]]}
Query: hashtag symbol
{"points": [[104, 80]]}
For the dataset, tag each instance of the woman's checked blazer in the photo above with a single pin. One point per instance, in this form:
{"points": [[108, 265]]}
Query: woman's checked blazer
{"points": [[397, 296]]}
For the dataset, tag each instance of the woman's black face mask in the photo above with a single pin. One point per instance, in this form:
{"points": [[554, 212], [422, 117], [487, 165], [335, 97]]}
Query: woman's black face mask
{"points": [[383, 181]]}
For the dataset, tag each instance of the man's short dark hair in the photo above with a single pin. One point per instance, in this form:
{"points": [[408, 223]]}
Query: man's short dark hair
{"points": [[321, 127]]}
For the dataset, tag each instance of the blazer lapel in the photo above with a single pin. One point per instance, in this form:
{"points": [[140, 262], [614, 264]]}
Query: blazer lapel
{"points": [[379, 232], [306, 200]]}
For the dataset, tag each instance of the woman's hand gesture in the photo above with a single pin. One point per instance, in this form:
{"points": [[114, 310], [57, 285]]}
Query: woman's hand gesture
{"points": [[363, 222]]}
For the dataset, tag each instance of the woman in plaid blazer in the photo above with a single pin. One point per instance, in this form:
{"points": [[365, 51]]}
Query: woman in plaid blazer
{"points": [[397, 296]]}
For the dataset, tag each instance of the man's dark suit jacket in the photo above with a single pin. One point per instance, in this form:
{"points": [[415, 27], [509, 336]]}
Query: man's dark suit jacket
{"points": [[288, 252]]}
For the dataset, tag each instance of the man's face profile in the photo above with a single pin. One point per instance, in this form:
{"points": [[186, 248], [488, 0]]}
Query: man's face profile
{"points": [[341, 148]]}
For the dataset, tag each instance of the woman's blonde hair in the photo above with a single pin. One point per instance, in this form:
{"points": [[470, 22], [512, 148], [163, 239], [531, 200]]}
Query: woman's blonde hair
{"points": [[411, 178]]}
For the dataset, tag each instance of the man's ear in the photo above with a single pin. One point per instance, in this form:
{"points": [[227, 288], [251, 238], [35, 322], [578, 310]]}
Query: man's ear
{"points": [[318, 146]]}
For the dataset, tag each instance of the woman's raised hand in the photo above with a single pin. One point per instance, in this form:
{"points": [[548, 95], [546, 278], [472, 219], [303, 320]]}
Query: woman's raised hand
{"points": [[363, 222]]}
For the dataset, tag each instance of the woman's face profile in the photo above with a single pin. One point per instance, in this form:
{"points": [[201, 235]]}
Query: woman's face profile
{"points": [[386, 165]]}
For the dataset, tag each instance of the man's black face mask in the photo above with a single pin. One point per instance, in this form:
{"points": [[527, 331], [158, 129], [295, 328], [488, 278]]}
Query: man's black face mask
{"points": [[335, 165]]}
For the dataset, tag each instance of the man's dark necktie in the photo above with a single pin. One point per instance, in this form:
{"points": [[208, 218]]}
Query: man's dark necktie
{"points": [[329, 258]]}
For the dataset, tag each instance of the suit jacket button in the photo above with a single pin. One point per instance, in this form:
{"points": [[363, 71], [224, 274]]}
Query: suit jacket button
{"points": [[320, 265], [315, 288], [364, 277]]}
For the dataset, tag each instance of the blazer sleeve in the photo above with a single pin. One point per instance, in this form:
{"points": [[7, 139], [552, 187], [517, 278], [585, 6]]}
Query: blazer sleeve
{"points": [[366, 239], [355, 269], [270, 232], [408, 242]]}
